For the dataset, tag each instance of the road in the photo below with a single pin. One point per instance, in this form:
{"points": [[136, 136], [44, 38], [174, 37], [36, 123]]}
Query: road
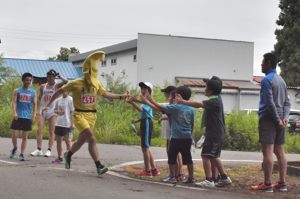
{"points": [[37, 178]]}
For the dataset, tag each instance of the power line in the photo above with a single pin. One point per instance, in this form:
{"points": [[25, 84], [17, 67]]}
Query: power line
{"points": [[61, 33]]}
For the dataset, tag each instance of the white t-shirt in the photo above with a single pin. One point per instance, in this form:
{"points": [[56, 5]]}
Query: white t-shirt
{"points": [[165, 126], [65, 106]]}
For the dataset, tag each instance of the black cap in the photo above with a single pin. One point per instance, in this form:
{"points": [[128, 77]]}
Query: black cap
{"points": [[52, 72], [168, 89]]}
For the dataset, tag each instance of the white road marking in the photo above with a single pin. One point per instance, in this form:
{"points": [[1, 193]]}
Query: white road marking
{"points": [[8, 162]]}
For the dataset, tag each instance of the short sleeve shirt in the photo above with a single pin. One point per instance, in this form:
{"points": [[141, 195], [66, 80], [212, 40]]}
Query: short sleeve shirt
{"points": [[182, 120], [64, 106], [146, 113], [214, 118], [84, 97]]}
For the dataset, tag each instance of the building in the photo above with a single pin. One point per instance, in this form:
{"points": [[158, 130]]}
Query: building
{"points": [[39, 68], [185, 61]]}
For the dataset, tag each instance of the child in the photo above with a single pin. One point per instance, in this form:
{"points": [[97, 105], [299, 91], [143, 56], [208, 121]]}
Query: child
{"points": [[213, 120], [146, 127], [24, 106], [64, 123], [169, 93], [182, 122]]}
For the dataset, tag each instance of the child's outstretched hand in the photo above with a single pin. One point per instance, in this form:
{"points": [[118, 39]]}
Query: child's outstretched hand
{"points": [[129, 99]]}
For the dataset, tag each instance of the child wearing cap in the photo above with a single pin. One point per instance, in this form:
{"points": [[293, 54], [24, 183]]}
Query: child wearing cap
{"points": [[146, 126], [165, 120], [213, 120], [182, 123]]}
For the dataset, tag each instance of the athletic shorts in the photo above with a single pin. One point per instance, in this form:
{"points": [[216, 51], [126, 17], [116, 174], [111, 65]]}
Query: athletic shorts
{"points": [[182, 146], [146, 127], [84, 120], [212, 148], [48, 114], [61, 131], [270, 132], [21, 124]]}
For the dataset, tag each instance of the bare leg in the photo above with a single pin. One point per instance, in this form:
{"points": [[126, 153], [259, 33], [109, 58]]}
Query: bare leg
{"points": [[51, 126], [191, 170], [280, 154], [14, 138], [267, 150], [207, 166], [218, 165], [59, 145], [172, 170], [92, 145], [68, 142], [80, 141], [179, 165], [146, 158], [39, 134], [24, 141], [151, 160]]}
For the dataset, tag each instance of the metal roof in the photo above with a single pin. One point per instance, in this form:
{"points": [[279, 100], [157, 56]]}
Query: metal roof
{"points": [[230, 84], [128, 45], [39, 68]]}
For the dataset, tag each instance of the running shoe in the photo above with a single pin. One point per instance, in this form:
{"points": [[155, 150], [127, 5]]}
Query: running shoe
{"points": [[262, 187], [205, 184], [21, 157], [48, 153], [280, 186], [101, 170], [145, 174], [223, 182], [12, 153], [57, 160], [155, 172], [37, 153]]}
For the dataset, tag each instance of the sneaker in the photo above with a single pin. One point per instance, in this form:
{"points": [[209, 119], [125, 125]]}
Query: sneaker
{"points": [[169, 179], [155, 172], [223, 182], [205, 183], [181, 178], [21, 157], [37, 153], [101, 170], [280, 186], [189, 180], [48, 153], [12, 153], [67, 161], [262, 187], [57, 160], [145, 174]]}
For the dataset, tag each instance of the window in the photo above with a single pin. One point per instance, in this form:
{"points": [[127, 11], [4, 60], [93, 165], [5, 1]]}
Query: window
{"points": [[134, 58], [103, 63], [114, 61]]}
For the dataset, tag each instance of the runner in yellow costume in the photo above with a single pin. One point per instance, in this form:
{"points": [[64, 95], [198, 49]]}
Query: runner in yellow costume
{"points": [[84, 92]]}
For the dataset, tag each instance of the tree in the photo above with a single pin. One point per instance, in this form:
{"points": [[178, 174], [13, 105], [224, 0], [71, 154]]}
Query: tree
{"points": [[64, 54], [287, 47], [6, 73]]}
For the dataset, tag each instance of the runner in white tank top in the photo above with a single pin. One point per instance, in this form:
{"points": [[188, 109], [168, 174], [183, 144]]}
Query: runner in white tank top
{"points": [[46, 92]]}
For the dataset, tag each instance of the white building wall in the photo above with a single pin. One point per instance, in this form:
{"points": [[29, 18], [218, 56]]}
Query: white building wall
{"points": [[162, 58], [125, 67]]}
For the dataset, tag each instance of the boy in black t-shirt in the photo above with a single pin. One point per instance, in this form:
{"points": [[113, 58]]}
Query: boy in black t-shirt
{"points": [[213, 121]]}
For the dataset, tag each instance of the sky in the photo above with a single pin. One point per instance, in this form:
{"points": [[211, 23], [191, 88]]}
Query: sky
{"points": [[36, 29]]}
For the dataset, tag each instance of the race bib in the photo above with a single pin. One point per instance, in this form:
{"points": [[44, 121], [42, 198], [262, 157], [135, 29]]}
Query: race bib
{"points": [[88, 99], [25, 98], [47, 98]]}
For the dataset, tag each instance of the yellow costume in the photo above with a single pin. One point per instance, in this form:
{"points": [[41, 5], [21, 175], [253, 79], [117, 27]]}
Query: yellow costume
{"points": [[85, 90]]}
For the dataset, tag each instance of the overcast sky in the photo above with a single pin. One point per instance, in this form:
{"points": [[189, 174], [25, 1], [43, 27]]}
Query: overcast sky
{"points": [[36, 29]]}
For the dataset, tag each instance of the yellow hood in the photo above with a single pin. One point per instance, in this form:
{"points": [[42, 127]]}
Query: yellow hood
{"points": [[90, 67]]}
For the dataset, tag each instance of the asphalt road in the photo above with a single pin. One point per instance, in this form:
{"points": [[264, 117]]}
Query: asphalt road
{"points": [[37, 178]]}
